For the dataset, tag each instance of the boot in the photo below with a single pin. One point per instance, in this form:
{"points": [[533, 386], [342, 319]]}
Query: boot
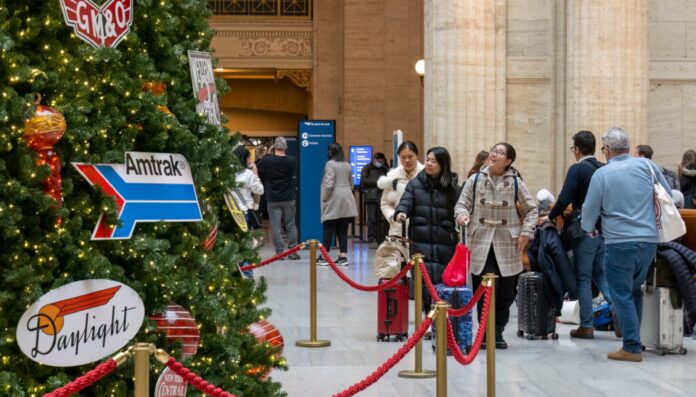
{"points": [[582, 333], [499, 341]]}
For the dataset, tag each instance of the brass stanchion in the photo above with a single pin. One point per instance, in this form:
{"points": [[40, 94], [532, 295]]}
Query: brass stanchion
{"points": [[418, 372], [441, 348], [313, 342], [489, 281], [141, 370]]}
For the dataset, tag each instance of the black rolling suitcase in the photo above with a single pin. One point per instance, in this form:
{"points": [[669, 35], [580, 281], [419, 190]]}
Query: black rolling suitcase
{"points": [[535, 316]]}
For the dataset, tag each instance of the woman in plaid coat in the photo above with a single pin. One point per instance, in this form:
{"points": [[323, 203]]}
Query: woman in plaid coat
{"points": [[503, 214]]}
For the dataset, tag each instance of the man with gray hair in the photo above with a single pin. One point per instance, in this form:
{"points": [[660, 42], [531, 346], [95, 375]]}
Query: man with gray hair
{"points": [[622, 194], [279, 174]]}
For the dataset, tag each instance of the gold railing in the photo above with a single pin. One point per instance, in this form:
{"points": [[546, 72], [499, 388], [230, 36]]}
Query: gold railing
{"points": [[262, 8]]}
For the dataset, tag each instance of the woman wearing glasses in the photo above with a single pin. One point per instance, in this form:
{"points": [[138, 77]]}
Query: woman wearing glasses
{"points": [[498, 231]]}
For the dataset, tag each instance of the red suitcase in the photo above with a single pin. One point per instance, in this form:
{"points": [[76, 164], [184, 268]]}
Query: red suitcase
{"points": [[392, 311]]}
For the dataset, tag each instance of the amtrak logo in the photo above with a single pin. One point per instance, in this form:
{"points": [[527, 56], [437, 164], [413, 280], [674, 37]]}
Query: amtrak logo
{"points": [[149, 187]]}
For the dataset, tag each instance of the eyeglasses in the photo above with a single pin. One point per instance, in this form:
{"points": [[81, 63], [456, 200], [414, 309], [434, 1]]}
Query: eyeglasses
{"points": [[497, 152], [573, 148], [604, 147]]}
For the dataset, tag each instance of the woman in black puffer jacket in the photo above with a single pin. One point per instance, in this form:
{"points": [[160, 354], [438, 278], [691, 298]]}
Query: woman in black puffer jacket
{"points": [[429, 204]]}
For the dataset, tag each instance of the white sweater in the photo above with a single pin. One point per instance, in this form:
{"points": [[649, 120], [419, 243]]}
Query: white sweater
{"points": [[391, 196]]}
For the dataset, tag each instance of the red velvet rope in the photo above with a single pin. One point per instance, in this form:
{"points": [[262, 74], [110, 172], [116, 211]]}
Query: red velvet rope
{"points": [[195, 380], [436, 298], [85, 380], [384, 368], [272, 259], [452, 342], [367, 288]]}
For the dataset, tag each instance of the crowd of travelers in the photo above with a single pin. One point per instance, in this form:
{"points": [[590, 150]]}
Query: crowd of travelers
{"points": [[615, 234]]}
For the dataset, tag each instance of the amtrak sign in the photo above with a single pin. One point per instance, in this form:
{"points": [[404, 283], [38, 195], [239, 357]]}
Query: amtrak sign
{"points": [[80, 323], [149, 187]]}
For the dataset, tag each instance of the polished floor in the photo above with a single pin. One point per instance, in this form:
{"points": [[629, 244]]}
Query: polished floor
{"points": [[347, 317]]}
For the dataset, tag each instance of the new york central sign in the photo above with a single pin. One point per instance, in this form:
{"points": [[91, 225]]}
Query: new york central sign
{"points": [[103, 26], [149, 187]]}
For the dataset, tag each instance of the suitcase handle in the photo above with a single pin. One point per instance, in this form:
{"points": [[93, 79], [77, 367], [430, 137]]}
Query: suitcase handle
{"points": [[392, 304]]}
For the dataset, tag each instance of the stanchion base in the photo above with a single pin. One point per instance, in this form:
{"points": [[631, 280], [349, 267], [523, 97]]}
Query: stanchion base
{"points": [[311, 343], [426, 373]]}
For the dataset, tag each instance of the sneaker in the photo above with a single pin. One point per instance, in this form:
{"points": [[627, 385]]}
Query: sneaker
{"points": [[322, 262], [341, 261], [623, 355], [294, 256]]}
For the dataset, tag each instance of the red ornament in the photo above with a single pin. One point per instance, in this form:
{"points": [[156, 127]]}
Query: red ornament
{"points": [[179, 325], [42, 132], [265, 332]]}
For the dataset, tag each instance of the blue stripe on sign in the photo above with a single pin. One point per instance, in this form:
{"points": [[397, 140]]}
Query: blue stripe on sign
{"points": [[155, 212], [147, 191]]}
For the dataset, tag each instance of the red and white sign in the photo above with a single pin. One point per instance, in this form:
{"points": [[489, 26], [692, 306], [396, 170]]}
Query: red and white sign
{"points": [[103, 26], [80, 323], [170, 384]]}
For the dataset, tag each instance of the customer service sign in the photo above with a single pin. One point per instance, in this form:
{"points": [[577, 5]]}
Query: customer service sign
{"points": [[80, 323]]}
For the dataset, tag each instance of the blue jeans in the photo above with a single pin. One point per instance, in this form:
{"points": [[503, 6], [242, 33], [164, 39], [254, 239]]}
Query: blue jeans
{"points": [[588, 259], [626, 267]]}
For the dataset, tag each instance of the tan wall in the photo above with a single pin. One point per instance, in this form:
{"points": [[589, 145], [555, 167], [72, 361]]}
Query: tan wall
{"points": [[261, 123]]}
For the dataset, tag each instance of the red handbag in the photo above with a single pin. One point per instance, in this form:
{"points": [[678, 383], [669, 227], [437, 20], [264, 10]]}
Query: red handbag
{"points": [[457, 269]]}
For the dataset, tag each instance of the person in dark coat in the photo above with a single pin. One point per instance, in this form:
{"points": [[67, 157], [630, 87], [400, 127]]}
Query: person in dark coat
{"points": [[373, 194], [428, 203]]}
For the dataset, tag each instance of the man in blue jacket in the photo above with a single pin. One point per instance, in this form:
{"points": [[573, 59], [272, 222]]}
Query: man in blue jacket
{"points": [[588, 253], [622, 194]]}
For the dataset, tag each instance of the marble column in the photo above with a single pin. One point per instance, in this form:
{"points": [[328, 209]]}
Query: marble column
{"points": [[465, 59], [607, 67]]}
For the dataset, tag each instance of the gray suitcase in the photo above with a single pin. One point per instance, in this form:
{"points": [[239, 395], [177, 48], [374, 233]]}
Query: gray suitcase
{"points": [[662, 325]]}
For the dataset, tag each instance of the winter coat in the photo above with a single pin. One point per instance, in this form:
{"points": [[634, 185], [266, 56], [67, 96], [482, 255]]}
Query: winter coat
{"points": [[688, 187], [248, 185], [337, 200], [430, 210], [393, 186], [368, 181], [547, 255], [683, 263], [495, 219]]}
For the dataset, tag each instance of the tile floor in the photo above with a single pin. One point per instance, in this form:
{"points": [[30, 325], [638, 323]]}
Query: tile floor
{"points": [[348, 318]]}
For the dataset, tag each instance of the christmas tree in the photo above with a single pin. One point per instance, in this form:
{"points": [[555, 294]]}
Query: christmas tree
{"points": [[111, 104]]}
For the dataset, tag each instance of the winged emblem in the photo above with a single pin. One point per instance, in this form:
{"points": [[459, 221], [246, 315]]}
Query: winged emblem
{"points": [[103, 26]]}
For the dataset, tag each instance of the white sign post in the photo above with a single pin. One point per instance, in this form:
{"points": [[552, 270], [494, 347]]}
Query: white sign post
{"points": [[80, 323]]}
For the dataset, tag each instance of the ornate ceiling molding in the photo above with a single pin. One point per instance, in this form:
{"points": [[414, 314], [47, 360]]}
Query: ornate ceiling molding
{"points": [[301, 78]]}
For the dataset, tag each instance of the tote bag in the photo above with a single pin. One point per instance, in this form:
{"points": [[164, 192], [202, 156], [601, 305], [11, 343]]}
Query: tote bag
{"points": [[669, 223]]}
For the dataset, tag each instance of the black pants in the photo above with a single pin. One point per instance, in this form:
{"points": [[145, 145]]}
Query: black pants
{"points": [[338, 227], [505, 290], [374, 216]]}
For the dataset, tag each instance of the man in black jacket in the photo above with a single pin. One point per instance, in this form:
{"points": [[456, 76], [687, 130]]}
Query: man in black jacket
{"points": [[588, 252], [371, 193]]}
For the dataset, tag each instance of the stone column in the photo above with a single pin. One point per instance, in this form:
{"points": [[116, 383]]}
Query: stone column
{"points": [[607, 67], [465, 77]]}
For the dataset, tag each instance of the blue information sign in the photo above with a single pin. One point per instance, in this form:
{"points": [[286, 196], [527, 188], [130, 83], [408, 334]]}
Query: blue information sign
{"points": [[314, 138], [360, 156]]}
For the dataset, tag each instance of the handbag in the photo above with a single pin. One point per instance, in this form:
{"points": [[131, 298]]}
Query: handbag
{"points": [[669, 223], [572, 230], [457, 269]]}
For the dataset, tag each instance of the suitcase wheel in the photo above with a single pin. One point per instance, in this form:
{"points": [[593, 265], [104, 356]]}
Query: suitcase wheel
{"points": [[380, 337], [433, 348], [682, 350], [520, 333], [398, 338], [530, 337], [554, 336]]}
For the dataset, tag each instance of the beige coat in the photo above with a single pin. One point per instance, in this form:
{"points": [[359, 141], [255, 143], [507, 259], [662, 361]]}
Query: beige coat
{"points": [[495, 220], [391, 196], [337, 200]]}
